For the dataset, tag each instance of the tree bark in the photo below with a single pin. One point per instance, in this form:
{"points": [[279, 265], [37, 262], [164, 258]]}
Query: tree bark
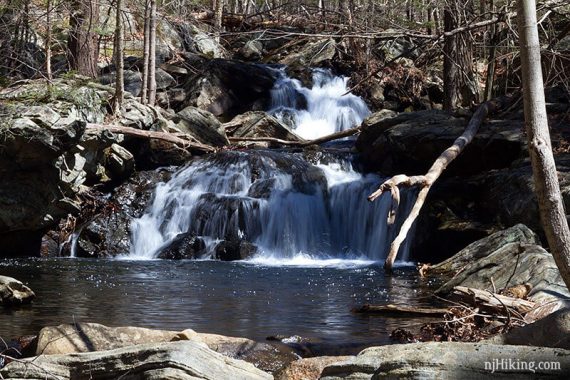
{"points": [[146, 53], [152, 55], [218, 12], [119, 63], [547, 189], [83, 44], [48, 41]]}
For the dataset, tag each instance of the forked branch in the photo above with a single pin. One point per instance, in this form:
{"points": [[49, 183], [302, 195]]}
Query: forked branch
{"points": [[426, 181]]}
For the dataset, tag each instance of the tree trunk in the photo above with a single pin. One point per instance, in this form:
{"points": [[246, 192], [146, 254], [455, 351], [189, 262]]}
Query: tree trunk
{"points": [[146, 52], [83, 43], [48, 41], [218, 12], [152, 55], [546, 184], [119, 63]]}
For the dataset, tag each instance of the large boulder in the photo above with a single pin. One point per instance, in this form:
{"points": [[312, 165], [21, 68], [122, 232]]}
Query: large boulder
{"points": [[184, 246], [312, 54], [410, 142], [202, 125], [259, 124], [227, 88], [506, 259], [551, 331], [450, 360], [89, 337], [13, 292], [108, 233], [183, 360], [308, 368]]}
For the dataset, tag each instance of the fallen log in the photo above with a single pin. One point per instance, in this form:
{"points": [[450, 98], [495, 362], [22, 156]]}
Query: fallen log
{"points": [[303, 143], [494, 302], [426, 181], [183, 140], [390, 310]]}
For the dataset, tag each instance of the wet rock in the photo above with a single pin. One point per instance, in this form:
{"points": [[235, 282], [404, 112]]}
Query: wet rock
{"points": [[228, 88], [551, 331], [120, 161], [312, 54], [232, 250], [410, 142], [173, 360], [202, 125], [108, 234], [184, 246], [309, 368], [89, 337], [445, 360], [259, 124], [13, 292]]}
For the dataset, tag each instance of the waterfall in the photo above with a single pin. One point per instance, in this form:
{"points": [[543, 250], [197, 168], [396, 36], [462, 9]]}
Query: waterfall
{"points": [[278, 201], [318, 111], [287, 204]]}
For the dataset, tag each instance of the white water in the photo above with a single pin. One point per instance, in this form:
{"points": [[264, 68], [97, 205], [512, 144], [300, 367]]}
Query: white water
{"points": [[328, 108], [296, 213]]}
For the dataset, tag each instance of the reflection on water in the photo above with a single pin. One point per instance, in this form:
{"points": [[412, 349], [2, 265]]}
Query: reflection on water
{"points": [[236, 299]]}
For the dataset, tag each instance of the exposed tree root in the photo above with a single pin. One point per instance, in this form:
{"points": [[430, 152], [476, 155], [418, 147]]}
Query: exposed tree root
{"points": [[426, 181]]}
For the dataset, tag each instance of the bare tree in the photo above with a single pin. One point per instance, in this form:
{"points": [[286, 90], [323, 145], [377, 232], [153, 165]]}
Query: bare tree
{"points": [[119, 49], [48, 41], [152, 55], [218, 12], [547, 189], [146, 53]]}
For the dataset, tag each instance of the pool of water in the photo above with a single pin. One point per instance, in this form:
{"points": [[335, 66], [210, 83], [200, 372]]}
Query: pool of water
{"points": [[255, 300]]}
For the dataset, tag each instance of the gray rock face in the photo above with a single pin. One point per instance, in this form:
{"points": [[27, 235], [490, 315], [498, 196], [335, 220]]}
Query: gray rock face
{"points": [[410, 142], [260, 124], [13, 292], [312, 54], [551, 331], [202, 125], [509, 258], [89, 337], [449, 360], [228, 88], [183, 360]]}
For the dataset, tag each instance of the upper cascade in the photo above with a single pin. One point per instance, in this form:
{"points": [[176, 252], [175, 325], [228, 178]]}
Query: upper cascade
{"points": [[325, 108]]}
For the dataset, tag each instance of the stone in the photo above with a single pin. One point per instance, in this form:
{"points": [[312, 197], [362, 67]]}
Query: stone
{"points": [[199, 42], [184, 246], [309, 368], [13, 292], [259, 124], [120, 161], [509, 263], [89, 337], [550, 331], [228, 88], [312, 54], [234, 249], [251, 50], [183, 360], [411, 141], [447, 360], [202, 125]]}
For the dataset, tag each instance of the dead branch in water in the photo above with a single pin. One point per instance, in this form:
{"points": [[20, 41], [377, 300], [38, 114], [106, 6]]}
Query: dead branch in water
{"points": [[426, 181]]}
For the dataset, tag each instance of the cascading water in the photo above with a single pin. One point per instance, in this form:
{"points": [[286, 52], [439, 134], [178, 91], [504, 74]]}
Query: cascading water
{"points": [[287, 205], [319, 111]]}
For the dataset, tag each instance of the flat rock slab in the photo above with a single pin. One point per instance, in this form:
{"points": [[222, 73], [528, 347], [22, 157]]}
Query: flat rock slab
{"points": [[182, 360], [451, 360], [13, 292]]}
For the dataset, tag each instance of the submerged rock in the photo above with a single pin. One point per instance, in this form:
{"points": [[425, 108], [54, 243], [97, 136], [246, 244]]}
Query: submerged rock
{"points": [[172, 360], [448, 360], [13, 292]]}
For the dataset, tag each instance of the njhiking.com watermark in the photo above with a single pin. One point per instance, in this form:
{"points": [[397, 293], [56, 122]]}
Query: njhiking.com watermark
{"points": [[521, 365]]}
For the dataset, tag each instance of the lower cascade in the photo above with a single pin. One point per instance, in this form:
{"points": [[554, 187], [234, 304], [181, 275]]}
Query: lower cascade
{"points": [[274, 204], [279, 202]]}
